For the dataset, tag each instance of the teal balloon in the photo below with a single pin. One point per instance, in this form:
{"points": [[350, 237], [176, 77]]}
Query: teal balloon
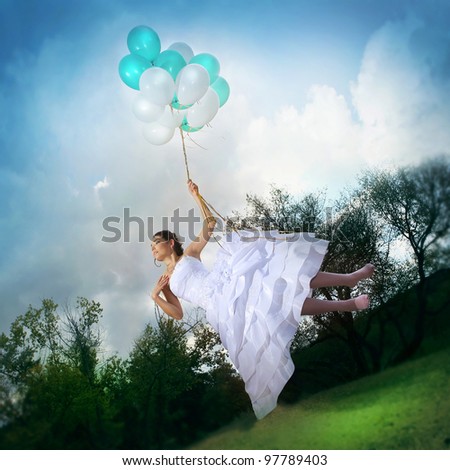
{"points": [[172, 61], [177, 105], [221, 87], [187, 128], [131, 67], [145, 42], [210, 63]]}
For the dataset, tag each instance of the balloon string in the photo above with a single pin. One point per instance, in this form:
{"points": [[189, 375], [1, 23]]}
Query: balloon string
{"points": [[185, 155]]}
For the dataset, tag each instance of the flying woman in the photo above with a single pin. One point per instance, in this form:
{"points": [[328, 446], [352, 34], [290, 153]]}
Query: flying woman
{"points": [[254, 296]]}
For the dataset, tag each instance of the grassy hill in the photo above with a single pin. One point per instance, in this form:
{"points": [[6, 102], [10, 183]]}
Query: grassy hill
{"points": [[403, 407]]}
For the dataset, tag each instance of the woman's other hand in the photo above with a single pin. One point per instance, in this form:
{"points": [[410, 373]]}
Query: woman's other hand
{"points": [[163, 281]]}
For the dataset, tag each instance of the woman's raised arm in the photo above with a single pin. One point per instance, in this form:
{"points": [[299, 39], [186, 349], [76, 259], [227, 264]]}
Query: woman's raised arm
{"points": [[209, 222]]}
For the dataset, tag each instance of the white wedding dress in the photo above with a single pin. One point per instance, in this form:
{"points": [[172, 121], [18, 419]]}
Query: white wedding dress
{"points": [[253, 296]]}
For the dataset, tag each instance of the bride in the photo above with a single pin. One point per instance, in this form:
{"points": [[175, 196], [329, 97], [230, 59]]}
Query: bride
{"points": [[255, 296]]}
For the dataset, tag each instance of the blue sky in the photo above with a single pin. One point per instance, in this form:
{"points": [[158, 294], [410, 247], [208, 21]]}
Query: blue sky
{"points": [[320, 90]]}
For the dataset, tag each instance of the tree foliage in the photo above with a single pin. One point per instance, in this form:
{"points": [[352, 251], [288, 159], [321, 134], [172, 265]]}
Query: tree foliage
{"points": [[415, 203], [58, 391]]}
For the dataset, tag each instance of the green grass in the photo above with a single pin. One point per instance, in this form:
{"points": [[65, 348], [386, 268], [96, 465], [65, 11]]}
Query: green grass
{"points": [[404, 407]]}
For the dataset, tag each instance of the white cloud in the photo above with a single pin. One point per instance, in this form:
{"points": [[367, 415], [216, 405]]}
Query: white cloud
{"points": [[399, 114], [302, 150], [99, 185], [402, 93]]}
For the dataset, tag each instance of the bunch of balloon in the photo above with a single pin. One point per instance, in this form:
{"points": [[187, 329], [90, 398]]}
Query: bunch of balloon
{"points": [[177, 89]]}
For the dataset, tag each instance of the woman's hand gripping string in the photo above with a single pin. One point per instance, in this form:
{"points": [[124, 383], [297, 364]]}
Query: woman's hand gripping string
{"points": [[193, 189]]}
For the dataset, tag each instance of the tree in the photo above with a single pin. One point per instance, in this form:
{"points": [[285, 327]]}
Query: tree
{"points": [[180, 385], [282, 212], [357, 236], [355, 239], [160, 371], [32, 338], [219, 393], [49, 366], [415, 202], [83, 337]]}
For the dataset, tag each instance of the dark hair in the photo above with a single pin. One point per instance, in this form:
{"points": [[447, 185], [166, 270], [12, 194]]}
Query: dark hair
{"points": [[168, 235]]}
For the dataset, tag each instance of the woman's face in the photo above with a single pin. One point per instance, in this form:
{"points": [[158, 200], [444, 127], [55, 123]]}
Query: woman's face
{"points": [[160, 248]]}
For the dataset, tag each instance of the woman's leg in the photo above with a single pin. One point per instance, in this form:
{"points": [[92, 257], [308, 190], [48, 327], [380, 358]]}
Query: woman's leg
{"points": [[323, 279], [318, 306]]}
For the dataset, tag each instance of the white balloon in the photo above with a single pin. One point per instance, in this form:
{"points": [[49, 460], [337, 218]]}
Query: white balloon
{"points": [[184, 49], [171, 117], [192, 83], [157, 85], [145, 110], [158, 134], [204, 110]]}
